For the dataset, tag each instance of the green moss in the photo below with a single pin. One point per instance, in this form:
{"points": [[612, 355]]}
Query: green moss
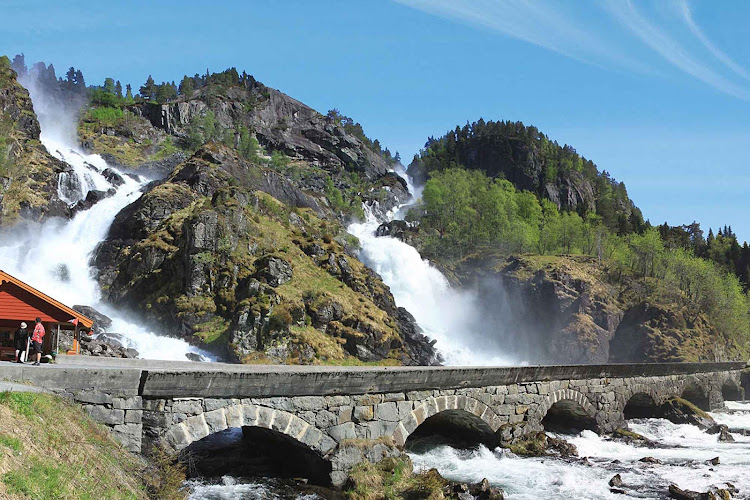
{"points": [[213, 331], [691, 408], [198, 305], [533, 445], [624, 433]]}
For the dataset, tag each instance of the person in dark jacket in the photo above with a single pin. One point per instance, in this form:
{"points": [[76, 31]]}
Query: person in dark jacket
{"points": [[20, 342]]}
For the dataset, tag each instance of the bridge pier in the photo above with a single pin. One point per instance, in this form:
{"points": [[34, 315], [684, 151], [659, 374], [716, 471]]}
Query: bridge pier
{"points": [[343, 416]]}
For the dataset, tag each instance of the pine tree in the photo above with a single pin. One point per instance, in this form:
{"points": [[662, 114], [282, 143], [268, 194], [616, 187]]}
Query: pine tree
{"points": [[128, 92], [187, 86], [109, 86], [118, 89], [148, 89], [80, 82]]}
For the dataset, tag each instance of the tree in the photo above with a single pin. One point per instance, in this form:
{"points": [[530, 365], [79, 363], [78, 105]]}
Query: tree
{"points": [[187, 86], [128, 92], [148, 89], [109, 86], [79, 81], [118, 88]]}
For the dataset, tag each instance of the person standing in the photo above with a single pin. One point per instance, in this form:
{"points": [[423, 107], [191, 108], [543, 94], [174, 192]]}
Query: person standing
{"points": [[36, 340], [20, 342]]}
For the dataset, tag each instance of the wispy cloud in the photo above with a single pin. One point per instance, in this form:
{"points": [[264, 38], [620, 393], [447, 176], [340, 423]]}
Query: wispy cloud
{"points": [[684, 10], [540, 23], [671, 49], [592, 39]]}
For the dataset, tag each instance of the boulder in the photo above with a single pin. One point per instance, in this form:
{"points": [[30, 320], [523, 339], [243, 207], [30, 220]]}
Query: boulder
{"points": [[101, 321], [680, 411], [680, 494], [484, 491], [616, 481], [113, 177], [273, 270]]}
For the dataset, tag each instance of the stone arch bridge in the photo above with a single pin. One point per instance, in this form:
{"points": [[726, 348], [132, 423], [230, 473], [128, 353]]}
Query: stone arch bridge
{"points": [[340, 416]]}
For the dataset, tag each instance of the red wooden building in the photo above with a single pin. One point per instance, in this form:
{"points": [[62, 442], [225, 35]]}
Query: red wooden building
{"points": [[21, 302]]}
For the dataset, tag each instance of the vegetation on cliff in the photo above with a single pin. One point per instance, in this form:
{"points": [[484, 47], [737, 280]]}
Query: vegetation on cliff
{"points": [[531, 162], [233, 255], [465, 214], [28, 174]]}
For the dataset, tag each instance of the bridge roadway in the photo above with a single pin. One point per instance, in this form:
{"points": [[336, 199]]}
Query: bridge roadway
{"points": [[343, 415]]}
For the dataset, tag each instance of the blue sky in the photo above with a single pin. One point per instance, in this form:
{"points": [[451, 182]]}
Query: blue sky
{"points": [[657, 93]]}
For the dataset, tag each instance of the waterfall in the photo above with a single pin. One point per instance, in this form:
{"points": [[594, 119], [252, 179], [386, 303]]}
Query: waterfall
{"points": [[451, 317], [55, 256]]}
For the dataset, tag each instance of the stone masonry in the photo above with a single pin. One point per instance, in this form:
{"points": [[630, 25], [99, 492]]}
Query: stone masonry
{"points": [[375, 421]]}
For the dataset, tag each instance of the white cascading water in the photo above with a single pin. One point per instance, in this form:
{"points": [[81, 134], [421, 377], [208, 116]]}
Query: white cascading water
{"points": [[54, 257], [449, 316], [684, 450]]}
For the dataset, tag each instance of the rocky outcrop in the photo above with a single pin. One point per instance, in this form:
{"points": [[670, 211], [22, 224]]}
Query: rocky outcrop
{"points": [[556, 313], [568, 309], [280, 123], [28, 173], [660, 332], [234, 256]]}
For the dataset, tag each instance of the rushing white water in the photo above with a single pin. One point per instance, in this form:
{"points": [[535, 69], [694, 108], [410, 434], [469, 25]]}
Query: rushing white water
{"points": [[685, 451], [451, 317], [54, 257], [231, 488]]}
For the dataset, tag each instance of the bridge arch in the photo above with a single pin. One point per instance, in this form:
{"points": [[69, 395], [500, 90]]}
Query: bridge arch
{"points": [[731, 391], [641, 401], [696, 393], [567, 409], [273, 429], [452, 407]]}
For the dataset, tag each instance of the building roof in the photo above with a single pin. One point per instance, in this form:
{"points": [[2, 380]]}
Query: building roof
{"points": [[35, 303]]}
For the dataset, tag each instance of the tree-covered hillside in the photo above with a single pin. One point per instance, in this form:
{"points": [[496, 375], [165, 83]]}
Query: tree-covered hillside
{"points": [[673, 278], [532, 162]]}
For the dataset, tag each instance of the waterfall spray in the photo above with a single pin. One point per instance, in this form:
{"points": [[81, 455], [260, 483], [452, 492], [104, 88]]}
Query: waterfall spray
{"points": [[54, 257], [452, 317]]}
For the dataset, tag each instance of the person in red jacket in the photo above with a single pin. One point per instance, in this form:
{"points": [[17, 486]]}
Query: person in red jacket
{"points": [[36, 340]]}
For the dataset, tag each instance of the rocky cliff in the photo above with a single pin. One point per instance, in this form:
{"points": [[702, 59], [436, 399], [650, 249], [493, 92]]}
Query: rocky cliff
{"points": [[565, 309], [230, 254], [28, 173], [259, 122]]}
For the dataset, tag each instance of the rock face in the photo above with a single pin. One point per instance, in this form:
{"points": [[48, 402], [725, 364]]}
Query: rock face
{"points": [[234, 256], [655, 332], [565, 309], [553, 314], [28, 173], [280, 124]]}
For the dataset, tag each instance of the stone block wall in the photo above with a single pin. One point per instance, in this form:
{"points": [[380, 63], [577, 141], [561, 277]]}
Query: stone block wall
{"points": [[346, 429]]}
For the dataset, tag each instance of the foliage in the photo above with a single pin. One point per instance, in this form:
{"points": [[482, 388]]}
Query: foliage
{"points": [[105, 117], [465, 211], [505, 149]]}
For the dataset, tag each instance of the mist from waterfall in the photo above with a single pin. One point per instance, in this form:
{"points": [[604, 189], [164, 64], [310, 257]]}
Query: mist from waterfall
{"points": [[55, 256], [453, 318]]}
